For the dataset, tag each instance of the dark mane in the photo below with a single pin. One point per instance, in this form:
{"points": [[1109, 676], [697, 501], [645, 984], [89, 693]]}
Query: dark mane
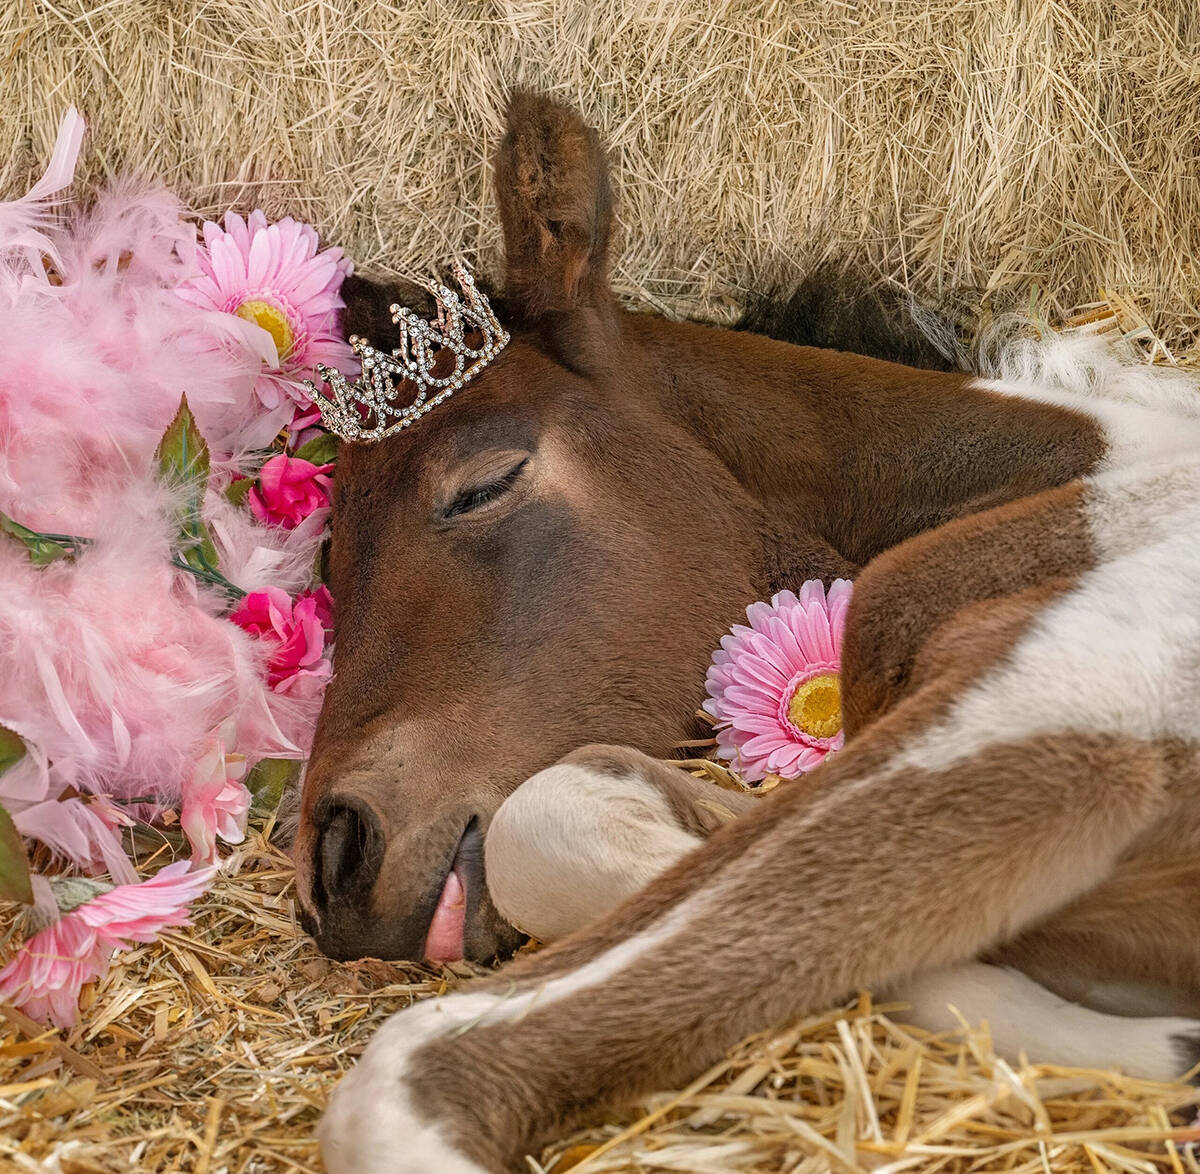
{"points": [[838, 307]]}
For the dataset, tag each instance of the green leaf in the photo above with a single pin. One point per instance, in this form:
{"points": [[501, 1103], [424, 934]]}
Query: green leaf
{"points": [[267, 782], [42, 550], [12, 749], [203, 555], [183, 462], [236, 491], [182, 454], [14, 867], [321, 450]]}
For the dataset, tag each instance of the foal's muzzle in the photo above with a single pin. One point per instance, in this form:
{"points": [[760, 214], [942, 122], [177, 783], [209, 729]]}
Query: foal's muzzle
{"points": [[375, 895]]}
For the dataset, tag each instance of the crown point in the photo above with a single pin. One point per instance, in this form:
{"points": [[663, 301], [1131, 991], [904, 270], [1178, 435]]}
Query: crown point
{"points": [[346, 406]]}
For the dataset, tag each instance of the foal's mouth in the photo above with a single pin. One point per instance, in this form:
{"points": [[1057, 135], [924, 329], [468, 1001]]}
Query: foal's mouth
{"points": [[444, 940]]}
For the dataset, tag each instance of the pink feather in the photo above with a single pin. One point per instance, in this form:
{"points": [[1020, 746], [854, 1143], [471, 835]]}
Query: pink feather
{"points": [[22, 221], [116, 668]]}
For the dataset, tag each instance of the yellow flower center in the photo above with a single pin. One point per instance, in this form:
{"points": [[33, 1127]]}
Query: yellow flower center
{"points": [[273, 320], [816, 707]]}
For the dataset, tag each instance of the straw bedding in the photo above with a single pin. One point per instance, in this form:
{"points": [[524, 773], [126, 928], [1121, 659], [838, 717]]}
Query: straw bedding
{"points": [[214, 1050], [1029, 148]]}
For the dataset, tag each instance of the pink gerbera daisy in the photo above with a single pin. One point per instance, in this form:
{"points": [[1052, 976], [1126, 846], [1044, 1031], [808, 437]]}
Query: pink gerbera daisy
{"points": [[773, 687], [46, 974], [273, 276]]}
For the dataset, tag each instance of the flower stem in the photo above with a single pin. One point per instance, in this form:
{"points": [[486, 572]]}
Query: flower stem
{"points": [[210, 575]]}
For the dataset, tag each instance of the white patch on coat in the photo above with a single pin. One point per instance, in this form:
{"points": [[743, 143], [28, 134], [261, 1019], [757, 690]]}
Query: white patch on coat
{"points": [[1120, 653], [371, 1126], [1024, 1017], [573, 842]]}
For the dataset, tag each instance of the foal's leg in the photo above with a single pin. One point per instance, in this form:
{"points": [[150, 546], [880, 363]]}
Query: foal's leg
{"points": [[778, 914], [582, 836], [1023, 1017]]}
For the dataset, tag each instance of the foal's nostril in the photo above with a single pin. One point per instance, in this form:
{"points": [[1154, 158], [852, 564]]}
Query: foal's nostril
{"points": [[348, 855]]}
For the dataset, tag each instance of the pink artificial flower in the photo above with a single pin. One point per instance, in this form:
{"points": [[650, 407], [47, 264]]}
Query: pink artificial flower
{"points": [[215, 800], [296, 628], [46, 974], [273, 276], [773, 687], [84, 831], [289, 490], [322, 605]]}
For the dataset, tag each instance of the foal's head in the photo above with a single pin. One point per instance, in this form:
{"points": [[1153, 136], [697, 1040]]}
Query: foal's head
{"points": [[544, 560]]}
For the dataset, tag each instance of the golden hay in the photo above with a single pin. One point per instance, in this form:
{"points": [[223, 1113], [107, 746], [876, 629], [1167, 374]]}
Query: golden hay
{"points": [[954, 142], [213, 1051], [1039, 145]]}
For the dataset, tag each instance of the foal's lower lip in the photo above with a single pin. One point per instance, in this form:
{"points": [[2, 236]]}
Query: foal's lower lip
{"points": [[444, 941]]}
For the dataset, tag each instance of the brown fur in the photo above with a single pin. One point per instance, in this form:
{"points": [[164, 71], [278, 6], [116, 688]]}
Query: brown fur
{"points": [[558, 220], [676, 472], [916, 605], [846, 883]]}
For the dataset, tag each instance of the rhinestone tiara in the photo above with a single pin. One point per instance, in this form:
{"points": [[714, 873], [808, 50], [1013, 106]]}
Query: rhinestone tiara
{"points": [[366, 410]]}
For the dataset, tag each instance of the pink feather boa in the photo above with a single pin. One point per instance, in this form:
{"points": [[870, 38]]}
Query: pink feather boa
{"points": [[115, 668]]}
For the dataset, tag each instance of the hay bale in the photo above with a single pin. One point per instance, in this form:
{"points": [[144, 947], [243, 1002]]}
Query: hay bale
{"points": [[949, 142]]}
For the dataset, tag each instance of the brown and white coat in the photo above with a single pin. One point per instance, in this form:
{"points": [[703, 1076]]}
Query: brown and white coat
{"points": [[1014, 821]]}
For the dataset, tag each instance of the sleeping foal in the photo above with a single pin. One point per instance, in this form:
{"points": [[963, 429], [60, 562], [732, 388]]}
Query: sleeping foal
{"points": [[556, 549]]}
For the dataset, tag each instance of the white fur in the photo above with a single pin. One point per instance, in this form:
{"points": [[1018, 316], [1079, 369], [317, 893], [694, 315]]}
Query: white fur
{"points": [[1145, 410], [1120, 653], [1024, 1017], [1087, 365], [573, 842]]}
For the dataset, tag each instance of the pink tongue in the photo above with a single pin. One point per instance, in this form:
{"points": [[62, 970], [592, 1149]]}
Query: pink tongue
{"points": [[444, 942]]}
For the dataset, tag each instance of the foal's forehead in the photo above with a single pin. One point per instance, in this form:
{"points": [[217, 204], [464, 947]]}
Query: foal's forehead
{"points": [[436, 447], [513, 406], [487, 429]]}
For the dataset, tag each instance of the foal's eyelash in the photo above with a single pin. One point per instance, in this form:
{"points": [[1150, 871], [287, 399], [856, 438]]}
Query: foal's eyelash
{"points": [[472, 499]]}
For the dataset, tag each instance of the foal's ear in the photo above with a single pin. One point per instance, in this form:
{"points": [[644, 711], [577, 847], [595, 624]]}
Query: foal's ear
{"points": [[368, 308], [556, 207]]}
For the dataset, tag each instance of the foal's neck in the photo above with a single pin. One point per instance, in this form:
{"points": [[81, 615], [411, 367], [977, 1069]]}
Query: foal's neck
{"points": [[849, 455]]}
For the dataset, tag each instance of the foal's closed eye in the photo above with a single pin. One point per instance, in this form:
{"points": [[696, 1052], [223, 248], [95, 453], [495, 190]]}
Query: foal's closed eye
{"points": [[478, 495]]}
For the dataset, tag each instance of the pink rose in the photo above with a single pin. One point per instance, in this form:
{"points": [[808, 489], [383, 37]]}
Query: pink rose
{"points": [[289, 489], [215, 801], [296, 628]]}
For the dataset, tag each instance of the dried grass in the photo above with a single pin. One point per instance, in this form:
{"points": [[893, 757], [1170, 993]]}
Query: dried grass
{"points": [[976, 143], [214, 1050], [1043, 146]]}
